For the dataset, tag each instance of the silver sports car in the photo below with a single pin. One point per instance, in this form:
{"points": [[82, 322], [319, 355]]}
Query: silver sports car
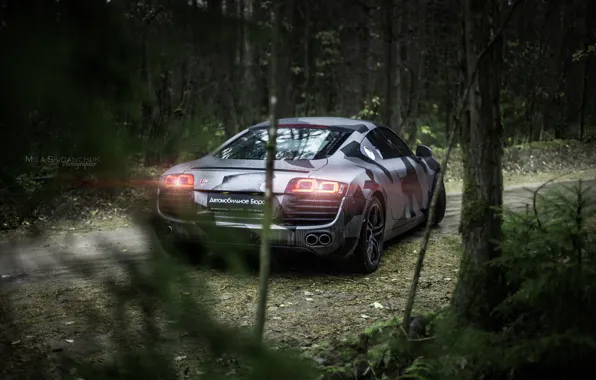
{"points": [[341, 188]]}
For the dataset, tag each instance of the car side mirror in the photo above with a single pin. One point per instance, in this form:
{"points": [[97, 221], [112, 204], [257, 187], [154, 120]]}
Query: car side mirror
{"points": [[424, 151]]}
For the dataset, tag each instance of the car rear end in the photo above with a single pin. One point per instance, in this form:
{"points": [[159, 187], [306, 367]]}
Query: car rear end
{"points": [[220, 199]]}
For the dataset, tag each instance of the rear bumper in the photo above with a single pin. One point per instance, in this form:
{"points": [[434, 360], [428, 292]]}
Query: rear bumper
{"points": [[342, 234]]}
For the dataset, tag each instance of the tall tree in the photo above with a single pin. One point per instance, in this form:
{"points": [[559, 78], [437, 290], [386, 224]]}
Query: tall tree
{"points": [[389, 62], [479, 288]]}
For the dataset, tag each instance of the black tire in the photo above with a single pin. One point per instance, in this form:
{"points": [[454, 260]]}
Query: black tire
{"points": [[369, 250], [441, 205]]}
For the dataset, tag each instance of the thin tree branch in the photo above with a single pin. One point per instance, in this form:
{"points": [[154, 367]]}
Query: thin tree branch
{"points": [[265, 254]]}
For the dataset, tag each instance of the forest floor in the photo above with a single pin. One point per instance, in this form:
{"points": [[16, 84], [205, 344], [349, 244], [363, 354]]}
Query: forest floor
{"points": [[310, 303], [307, 307]]}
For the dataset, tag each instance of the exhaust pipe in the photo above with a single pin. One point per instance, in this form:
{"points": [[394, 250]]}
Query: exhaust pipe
{"points": [[325, 239], [311, 239], [169, 231]]}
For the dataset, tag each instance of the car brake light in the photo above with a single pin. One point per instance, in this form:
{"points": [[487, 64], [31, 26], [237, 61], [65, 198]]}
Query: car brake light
{"points": [[179, 181], [316, 186]]}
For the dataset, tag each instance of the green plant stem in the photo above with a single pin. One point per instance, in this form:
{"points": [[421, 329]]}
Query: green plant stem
{"points": [[265, 253]]}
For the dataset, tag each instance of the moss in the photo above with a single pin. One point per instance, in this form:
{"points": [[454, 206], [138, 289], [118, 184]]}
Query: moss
{"points": [[474, 208]]}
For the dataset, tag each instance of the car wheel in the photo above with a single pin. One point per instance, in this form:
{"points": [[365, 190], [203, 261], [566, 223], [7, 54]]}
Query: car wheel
{"points": [[369, 250], [441, 205]]}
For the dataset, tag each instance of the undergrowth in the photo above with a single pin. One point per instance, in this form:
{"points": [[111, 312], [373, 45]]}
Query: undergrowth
{"points": [[548, 329], [151, 322]]}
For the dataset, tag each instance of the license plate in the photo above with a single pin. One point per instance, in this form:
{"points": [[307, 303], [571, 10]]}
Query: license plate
{"points": [[235, 202]]}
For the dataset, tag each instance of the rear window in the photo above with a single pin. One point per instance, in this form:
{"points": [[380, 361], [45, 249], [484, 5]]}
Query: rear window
{"points": [[300, 143]]}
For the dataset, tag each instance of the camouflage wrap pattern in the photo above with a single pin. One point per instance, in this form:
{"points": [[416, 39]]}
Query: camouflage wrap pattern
{"points": [[402, 184]]}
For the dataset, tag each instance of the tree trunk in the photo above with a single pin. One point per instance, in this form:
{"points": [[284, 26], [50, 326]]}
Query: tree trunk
{"points": [[307, 59], [582, 109], [351, 100], [573, 26], [286, 57], [388, 101], [259, 73], [479, 288], [552, 80], [417, 53]]}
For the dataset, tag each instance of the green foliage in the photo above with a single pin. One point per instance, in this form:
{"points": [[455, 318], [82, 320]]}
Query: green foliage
{"points": [[549, 255], [370, 110], [420, 369], [382, 351], [426, 135], [584, 53], [548, 259]]}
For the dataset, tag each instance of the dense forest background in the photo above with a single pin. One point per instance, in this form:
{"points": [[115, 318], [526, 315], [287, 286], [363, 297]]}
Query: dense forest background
{"points": [[158, 76], [130, 85]]}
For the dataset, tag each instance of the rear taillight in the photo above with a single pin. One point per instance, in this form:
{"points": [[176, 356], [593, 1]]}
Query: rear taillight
{"points": [[179, 181], [315, 186]]}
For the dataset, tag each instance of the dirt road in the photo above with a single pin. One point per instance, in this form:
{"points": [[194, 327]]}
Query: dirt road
{"points": [[46, 257]]}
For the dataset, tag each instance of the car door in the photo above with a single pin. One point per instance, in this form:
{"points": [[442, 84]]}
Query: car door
{"points": [[418, 181], [405, 194]]}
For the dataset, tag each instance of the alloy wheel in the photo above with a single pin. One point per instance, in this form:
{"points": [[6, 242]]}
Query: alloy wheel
{"points": [[374, 233]]}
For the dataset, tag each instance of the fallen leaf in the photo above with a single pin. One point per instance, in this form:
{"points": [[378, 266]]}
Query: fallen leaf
{"points": [[69, 340], [68, 323], [307, 293], [364, 316], [377, 305], [309, 299], [180, 358]]}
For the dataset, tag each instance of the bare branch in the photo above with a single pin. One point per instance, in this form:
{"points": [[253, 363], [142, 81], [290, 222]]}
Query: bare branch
{"points": [[265, 254], [535, 196]]}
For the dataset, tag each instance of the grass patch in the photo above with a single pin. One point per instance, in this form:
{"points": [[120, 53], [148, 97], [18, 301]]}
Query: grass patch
{"points": [[514, 179]]}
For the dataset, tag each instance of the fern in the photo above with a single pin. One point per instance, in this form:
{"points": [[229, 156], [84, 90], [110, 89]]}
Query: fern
{"points": [[549, 260], [420, 369]]}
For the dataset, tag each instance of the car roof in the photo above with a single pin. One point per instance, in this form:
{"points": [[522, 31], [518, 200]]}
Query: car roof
{"points": [[345, 122]]}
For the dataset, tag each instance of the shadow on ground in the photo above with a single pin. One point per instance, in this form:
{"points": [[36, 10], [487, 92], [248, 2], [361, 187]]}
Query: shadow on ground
{"points": [[283, 263]]}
